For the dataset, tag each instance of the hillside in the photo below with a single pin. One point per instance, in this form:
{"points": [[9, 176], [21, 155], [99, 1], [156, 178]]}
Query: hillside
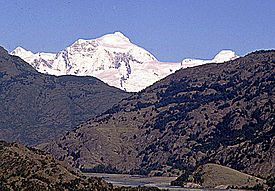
{"points": [[217, 176], [36, 107], [27, 169], [218, 113]]}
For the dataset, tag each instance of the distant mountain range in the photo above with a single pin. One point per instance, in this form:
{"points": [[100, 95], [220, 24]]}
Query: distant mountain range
{"points": [[36, 107], [113, 59], [214, 113]]}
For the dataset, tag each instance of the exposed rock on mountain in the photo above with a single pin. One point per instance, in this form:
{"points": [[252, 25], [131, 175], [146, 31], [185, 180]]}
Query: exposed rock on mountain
{"points": [[113, 59], [36, 107], [219, 113]]}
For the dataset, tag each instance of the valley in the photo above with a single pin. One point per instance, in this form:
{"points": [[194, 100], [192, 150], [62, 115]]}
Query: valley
{"points": [[146, 95]]}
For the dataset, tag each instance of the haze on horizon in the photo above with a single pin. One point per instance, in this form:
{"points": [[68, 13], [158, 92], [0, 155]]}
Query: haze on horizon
{"points": [[170, 30]]}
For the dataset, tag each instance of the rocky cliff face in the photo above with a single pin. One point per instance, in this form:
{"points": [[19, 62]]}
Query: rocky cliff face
{"points": [[219, 113], [36, 107]]}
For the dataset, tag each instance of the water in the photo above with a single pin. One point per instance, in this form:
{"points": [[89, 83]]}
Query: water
{"points": [[137, 180]]}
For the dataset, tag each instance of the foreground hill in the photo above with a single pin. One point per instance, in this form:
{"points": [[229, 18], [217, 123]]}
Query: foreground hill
{"points": [[219, 113], [36, 107], [27, 169], [217, 176]]}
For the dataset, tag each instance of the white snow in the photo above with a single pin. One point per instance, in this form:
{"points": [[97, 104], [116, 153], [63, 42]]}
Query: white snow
{"points": [[113, 59], [222, 56]]}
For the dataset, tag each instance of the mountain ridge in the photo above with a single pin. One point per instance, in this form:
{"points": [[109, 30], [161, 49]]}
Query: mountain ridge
{"points": [[218, 113], [37, 107]]}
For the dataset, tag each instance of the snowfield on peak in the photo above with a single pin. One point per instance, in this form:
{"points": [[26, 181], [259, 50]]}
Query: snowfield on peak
{"points": [[113, 59], [222, 56]]}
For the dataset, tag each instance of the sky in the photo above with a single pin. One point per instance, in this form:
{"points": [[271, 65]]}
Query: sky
{"points": [[170, 29]]}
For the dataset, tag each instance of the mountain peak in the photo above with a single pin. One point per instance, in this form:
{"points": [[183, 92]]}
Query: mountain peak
{"points": [[19, 49], [222, 56], [225, 55], [115, 38], [3, 51], [120, 34], [21, 52], [112, 58]]}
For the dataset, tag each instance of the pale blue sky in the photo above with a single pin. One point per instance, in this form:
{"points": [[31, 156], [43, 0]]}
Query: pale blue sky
{"points": [[169, 29]]}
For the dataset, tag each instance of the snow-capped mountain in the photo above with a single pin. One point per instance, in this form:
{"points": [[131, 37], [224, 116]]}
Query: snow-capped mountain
{"points": [[222, 56], [111, 58]]}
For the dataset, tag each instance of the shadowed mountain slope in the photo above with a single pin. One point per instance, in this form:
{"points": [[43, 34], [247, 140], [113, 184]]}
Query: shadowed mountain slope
{"points": [[36, 107], [219, 113]]}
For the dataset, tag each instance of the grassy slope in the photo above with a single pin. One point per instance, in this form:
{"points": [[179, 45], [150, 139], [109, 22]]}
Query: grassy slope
{"points": [[213, 175], [25, 168]]}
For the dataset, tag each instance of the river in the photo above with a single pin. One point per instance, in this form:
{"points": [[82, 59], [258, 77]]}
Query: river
{"points": [[137, 180]]}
